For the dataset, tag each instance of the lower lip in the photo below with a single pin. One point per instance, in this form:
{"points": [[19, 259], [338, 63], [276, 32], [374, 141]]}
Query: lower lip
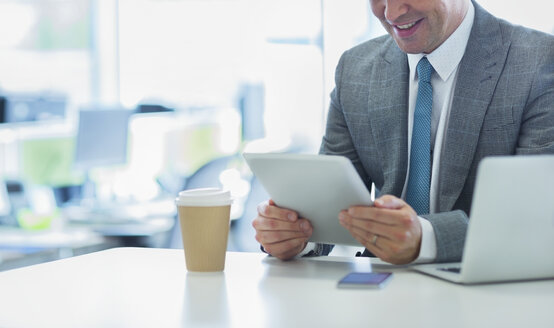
{"points": [[409, 32]]}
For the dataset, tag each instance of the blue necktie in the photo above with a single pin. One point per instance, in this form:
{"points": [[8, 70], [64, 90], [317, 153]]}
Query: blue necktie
{"points": [[419, 181]]}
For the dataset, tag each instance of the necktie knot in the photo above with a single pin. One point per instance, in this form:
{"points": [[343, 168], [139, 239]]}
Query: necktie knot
{"points": [[424, 70]]}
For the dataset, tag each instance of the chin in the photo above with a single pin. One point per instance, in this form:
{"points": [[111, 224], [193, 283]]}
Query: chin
{"points": [[409, 49], [413, 47]]}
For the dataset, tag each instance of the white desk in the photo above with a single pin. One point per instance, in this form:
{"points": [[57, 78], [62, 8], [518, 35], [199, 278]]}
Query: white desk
{"points": [[140, 287]]}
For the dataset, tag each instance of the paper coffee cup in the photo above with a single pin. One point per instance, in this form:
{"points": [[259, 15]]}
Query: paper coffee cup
{"points": [[204, 217]]}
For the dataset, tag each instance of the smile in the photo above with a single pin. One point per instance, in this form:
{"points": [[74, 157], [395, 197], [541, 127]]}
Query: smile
{"points": [[407, 30], [407, 26]]}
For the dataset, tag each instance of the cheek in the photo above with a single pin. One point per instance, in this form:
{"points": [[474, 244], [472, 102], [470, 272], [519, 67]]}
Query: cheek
{"points": [[378, 9]]}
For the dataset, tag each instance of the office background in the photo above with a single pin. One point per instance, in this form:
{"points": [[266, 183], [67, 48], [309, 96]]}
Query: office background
{"points": [[109, 107]]}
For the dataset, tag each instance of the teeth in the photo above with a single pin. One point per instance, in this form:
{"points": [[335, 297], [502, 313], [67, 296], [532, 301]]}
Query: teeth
{"points": [[407, 26]]}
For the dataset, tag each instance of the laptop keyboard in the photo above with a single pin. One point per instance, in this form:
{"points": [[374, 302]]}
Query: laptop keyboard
{"points": [[451, 269]]}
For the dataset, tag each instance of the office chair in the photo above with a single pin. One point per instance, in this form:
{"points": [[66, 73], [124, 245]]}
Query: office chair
{"points": [[244, 234]]}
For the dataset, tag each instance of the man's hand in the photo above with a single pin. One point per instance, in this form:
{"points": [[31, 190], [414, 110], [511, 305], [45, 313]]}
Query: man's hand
{"points": [[390, 229], [280, 231]]}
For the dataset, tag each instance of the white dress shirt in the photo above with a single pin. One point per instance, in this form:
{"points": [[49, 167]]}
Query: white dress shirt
{"points": [[445, 61]]}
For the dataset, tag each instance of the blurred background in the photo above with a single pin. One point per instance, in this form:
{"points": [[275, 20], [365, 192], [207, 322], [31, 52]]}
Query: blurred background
{"points": [[108, 108]]}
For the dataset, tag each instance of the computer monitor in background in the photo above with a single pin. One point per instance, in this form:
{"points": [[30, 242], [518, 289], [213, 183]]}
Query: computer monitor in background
{"points": [[102, 137], [252, 104], [152, 108], [101, 143], [30, 107], [2, 109]]}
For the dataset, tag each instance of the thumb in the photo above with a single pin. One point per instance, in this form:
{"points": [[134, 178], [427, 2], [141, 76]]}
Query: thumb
{"points": [[389, 201]]}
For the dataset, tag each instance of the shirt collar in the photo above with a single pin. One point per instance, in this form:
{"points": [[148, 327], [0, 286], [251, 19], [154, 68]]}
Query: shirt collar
{"points": [[448, 55]]}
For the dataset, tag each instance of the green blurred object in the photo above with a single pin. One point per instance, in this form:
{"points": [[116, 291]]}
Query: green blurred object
{"points": [[201, 147], [49, 162], [59, 25], [191, 148], [30, 221]]}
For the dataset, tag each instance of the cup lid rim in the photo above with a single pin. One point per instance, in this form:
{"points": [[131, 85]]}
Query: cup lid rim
{"points": [[204, 197], [202, 192]]}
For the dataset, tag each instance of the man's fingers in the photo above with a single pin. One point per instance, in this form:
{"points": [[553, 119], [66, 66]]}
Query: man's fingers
{"points": [[365, 237], [384, 248], [382, 215], [363, 223], [388, 201], [286, 249], [272, 237], [293, 251], [269, 224], [368, 228], [268, 209], [369, 214], [274, 231], [378, 249], [392, 232], [280, 232]]}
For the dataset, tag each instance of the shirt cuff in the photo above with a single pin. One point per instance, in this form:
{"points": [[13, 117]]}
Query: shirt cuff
{"points": [[428, 248], [309, 247]]}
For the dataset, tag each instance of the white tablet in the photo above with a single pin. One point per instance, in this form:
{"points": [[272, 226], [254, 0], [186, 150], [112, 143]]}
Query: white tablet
{"points": [[317, 187]]}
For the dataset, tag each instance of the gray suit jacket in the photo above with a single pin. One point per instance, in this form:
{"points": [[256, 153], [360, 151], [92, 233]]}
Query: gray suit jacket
{"points": [[503, 105]]}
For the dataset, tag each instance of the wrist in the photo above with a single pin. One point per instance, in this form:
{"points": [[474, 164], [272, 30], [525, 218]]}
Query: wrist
{"points": [[308, 250]]}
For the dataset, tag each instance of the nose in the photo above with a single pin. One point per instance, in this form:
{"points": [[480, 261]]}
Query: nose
{"points": [[395, 9]]}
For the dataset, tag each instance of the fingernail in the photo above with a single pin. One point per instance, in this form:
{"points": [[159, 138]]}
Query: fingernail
{"points": [[342, 218], [291, 216], [379, 202], [304, 227]]}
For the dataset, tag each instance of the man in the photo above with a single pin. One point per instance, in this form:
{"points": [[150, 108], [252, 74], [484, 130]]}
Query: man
{"points": [[487, 88]]}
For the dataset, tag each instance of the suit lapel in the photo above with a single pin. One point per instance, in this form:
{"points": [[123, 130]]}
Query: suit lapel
{"points": [[478, 75], [388, 109]]}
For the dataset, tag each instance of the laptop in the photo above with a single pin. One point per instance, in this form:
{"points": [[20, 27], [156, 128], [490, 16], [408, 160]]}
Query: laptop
{"points": [[510, 234]]}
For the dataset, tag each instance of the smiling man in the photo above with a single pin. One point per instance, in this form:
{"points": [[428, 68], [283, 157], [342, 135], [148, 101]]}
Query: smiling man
{"points": [[416, 111]]}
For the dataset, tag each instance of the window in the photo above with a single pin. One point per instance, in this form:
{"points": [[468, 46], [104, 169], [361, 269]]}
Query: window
{"points": [[46, 47]]}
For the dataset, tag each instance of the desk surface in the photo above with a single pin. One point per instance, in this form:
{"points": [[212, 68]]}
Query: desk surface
{"points": [[141, 287]]}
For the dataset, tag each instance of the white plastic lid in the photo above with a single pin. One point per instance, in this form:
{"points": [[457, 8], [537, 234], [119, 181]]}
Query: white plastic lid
{"points": [[204, 197]]}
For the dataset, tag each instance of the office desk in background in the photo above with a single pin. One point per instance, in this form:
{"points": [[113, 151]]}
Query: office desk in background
{"points": [[20, 247], [89, 229], [142, 287], [141, 224]]}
